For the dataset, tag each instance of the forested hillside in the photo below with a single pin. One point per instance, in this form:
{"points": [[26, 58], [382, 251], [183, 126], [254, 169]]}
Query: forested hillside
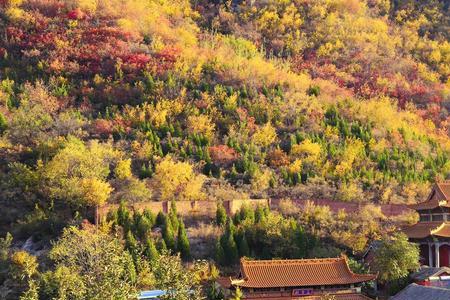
{"points": [[109, 101], [341, 99]]}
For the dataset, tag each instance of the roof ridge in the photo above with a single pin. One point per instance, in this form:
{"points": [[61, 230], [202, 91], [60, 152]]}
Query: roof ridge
{"points": [[290, 261], [430, 286]]}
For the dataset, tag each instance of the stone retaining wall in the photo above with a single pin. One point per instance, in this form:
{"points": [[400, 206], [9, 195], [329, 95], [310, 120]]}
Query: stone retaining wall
{"points": [[189, 208]]}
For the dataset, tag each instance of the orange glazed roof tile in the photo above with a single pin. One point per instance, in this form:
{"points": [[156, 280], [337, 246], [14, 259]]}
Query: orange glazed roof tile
{"points": [[298, 273], [424, 229]]}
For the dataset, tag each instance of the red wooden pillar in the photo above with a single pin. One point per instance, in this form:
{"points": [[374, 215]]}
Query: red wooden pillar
{"points": [[444, 252]]}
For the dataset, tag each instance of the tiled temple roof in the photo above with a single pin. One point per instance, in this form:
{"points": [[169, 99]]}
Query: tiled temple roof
{"points": [[439, 197], [415, 291], [425, 229], [298, 273]]}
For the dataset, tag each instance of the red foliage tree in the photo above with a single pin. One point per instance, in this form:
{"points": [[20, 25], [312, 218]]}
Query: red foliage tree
{"points": [[222, 155]]}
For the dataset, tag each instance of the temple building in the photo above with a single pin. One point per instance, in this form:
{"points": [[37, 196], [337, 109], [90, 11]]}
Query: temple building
{"points": [[432, 232], [306, 279]]}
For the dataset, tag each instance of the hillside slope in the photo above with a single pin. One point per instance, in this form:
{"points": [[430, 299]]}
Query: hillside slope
{"points": [[139, 100]]}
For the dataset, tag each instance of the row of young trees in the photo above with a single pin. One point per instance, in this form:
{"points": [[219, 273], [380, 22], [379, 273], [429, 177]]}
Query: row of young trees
{"points": [[262, 234], [139, 238]]}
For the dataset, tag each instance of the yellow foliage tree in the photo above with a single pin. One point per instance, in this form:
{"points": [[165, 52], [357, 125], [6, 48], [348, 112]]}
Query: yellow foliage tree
{"points": [[177, 179], [353, 149], [123, 169], [94, 192], [295, 167], [23, 265], [78, 170], [261, 180], [265, 135], [202, 125], [307, 150]]}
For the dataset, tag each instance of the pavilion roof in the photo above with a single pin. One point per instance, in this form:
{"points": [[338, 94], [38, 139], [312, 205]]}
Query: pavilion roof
{"points": [[439, 197], [425, 273], [425, 229], [298, 273], [415, 291]]}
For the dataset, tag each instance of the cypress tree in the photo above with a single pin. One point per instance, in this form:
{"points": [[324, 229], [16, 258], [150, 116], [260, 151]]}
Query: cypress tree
{"points": [[160, 219], [123, 216], [221, 215], [173, 216], [219, 253], [130, 243], [183, 245], [3, 123], [135, 219], [247, 213], [168, 234], [230, 228], [229, 244], [150, 250], [302, 242], [244, 249], [143, 226], [150, 216], [237, 218], [231, 251]]}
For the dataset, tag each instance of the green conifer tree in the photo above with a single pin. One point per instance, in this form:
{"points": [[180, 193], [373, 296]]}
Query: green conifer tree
{"points": [[150, 217], [173, 216], [150, 250], [244, 249], [221, 215], [132, 246], [168, 234], [143, 226], [247, 213], [183, 245], [230, 249], [160, 219], [3, 123], [123, 216], [219, 254], [259, 214]]}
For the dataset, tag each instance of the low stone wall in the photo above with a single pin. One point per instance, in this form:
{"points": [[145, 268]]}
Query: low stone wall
{"points": [[203, 208], [207, 209], [388, 210]]}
